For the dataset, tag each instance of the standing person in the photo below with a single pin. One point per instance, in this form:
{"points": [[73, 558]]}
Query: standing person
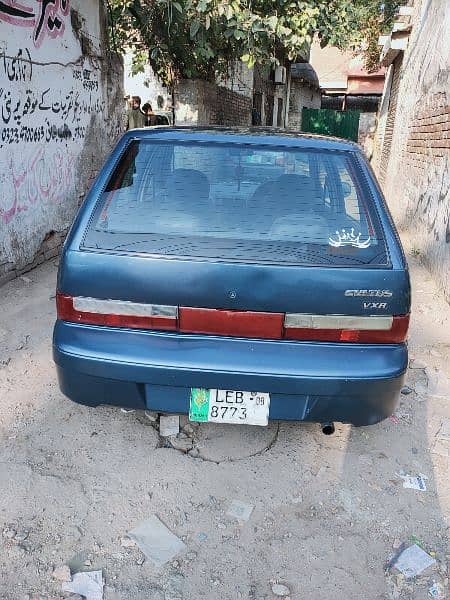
{"points": [[135, 117], [150, 117]]}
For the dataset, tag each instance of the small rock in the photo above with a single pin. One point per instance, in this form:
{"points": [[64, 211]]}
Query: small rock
{"points": [[221, 526], [140, 561], [127, 410], [9, 534], [195, 453], [62, 573], [183, 444], [26, 279], [406, 390], [21, 536], [126, 542], [188, 429], [280, 590]]}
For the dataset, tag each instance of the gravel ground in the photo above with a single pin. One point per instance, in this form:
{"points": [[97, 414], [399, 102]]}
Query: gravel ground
{"points": [[329, 512]]}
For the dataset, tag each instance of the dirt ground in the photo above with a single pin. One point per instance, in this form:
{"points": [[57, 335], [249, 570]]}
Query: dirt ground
{"points": [[329, 511]]}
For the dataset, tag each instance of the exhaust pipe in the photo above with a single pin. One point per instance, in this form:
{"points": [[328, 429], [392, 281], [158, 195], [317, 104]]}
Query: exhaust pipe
{"points": [[327, 428]]}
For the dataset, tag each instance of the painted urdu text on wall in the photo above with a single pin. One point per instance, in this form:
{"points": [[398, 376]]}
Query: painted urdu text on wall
{"points": [[60, 107]]}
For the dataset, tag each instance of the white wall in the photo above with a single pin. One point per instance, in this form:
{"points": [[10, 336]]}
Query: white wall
{"points": [[145, 85], [56, 119]]}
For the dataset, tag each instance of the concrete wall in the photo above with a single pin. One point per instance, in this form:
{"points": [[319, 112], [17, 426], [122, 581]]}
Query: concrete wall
{"points": [[366, 131], [202, 103], [240, 80], [301, 96], [61, 100], [417, 180]]}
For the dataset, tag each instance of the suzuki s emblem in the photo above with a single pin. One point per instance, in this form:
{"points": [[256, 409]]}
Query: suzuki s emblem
{"points": [[233, 295]]}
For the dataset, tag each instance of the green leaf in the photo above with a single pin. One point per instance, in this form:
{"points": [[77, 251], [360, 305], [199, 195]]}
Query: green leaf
{"points": [[178, 6], [272, 22], [195, 26]]}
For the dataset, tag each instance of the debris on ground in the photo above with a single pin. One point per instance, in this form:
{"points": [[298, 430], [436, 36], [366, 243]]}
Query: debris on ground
{"points": [[435, 591], [412, 561], [441, 443], [280, 590], [87, 583], [156, 541], [444, 431], [62, 573], [406, 390], [127, 410], [182, 443], [24, 343], [126, 542], [151, 415], [169, 425], [438, 383], [414, 482], [240, 510]]}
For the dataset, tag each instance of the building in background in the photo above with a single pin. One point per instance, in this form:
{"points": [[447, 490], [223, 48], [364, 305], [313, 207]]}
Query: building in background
{"points": [[257, 96], [412, 146], [61, 102], [347, 86]]}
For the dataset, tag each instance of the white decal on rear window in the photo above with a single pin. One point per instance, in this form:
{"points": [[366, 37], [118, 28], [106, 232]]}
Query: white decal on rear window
{"points": [[348, 238]]}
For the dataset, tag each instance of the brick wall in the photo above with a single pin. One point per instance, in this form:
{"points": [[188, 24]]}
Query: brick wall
{"points": [[413, 154], [203, 103], [231, 108]]}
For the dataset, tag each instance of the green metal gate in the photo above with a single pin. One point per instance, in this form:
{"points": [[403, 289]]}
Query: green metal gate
{"points": [[343, 124]]}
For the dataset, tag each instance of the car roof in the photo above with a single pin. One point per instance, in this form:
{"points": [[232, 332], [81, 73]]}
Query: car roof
{"points": [[266, 136]]}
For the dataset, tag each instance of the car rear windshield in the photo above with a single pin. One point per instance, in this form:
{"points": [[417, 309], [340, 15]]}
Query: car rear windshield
{"points": [[240, 203]]}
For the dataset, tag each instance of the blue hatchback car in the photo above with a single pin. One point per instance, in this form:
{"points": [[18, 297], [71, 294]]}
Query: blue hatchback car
{"points": [[236, 276]]}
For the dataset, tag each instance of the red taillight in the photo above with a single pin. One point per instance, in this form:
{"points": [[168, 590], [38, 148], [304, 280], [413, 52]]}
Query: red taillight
{"points": [[116, 313], [365, 330], [231, 323], [376, 329]]}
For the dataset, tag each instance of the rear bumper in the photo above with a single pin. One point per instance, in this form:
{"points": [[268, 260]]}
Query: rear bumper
{"points": [[307, 381]]}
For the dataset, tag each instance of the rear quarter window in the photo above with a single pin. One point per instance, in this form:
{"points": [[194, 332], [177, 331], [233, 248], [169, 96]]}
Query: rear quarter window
{"points": [[238, 203]]}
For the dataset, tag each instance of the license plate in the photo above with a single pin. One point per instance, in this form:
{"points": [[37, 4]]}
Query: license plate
{"points": [[227, 406]]}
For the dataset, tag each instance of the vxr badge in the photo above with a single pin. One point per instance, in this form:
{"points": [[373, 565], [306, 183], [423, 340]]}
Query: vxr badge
{"points": [[374, 305]]}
